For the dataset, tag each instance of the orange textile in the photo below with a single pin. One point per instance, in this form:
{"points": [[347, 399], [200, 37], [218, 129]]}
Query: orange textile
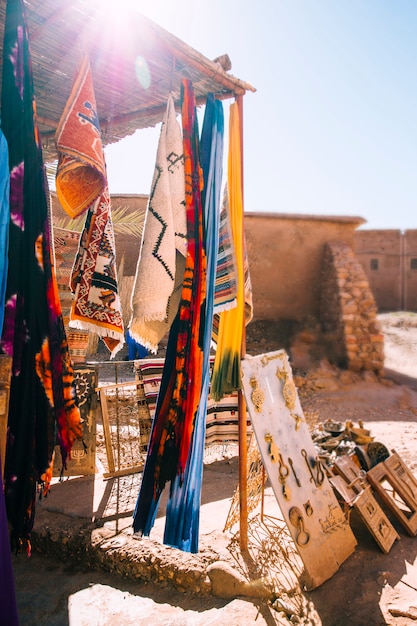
{"points": [[81, 173]]}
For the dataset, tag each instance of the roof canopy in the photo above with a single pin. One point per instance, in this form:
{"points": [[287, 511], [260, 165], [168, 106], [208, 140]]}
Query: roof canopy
{"points": [[135, 65]]}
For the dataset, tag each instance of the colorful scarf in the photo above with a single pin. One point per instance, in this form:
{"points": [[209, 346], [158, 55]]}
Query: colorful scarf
{"points": [[183, 508], [160, 270], [81, 183], [226, 375], [180, 392], [81, 173], [42, 394], [4, 221]]}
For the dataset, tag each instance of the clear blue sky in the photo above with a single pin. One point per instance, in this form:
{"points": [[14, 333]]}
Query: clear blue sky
{"points": [[332, 128]]}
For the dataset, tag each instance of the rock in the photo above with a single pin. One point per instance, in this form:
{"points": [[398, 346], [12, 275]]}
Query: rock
{"points": [[226, 582], [369, 377]]}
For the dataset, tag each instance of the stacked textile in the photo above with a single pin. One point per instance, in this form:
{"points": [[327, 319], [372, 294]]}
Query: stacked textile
{"points": [[222, 419]]}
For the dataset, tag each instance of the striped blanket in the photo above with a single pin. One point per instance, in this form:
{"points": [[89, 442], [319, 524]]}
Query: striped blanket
{"points": [[222, 416]]}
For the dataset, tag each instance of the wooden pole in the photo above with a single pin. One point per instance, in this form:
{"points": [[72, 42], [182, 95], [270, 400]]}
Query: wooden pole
{"points": [[243, 445]]}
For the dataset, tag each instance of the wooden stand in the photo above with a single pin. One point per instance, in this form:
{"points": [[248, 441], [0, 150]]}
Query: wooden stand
{"points": [[356, 493], [5, 374], [397, 488]]}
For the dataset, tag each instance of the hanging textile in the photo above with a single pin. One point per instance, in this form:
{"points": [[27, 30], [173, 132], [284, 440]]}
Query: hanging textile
{"points": [[42, 393], [96, 306], [226, 273], [82, 184], [160, 270], [4, 221], [226, 375], [179, 396], [183, 508], [8, 607], [81, 172], [225, 291]]}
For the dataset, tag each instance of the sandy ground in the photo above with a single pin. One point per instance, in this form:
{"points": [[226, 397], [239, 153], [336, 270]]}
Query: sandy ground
{"points": [[370, 588], [373, 588]]}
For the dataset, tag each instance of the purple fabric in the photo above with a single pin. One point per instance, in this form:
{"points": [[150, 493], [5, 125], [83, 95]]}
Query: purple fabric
{"points": [[8, 607]]}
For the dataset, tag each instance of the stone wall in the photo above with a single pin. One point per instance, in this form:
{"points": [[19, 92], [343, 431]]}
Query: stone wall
{"points": [[348, 313]]}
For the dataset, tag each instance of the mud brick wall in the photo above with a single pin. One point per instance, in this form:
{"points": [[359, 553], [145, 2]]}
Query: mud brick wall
{"points": [[348, 312]]}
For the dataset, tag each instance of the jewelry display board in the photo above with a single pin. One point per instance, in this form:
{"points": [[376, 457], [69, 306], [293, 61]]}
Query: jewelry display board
{"points": [[320, 531]]}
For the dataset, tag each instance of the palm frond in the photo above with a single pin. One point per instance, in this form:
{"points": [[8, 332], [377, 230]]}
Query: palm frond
{"points": [[50, 169], [125, 221]]}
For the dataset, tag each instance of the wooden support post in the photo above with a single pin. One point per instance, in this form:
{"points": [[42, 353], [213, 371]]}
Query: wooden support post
{"points": [[243, 441]]}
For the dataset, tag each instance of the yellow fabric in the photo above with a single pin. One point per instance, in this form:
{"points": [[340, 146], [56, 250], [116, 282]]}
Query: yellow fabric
{"points": [[226, 376]]}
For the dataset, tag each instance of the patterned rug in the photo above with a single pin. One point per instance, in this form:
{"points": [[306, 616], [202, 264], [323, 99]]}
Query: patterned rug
{"points": [[81, 173], [82, 184], [96, 306], [160, 270]]}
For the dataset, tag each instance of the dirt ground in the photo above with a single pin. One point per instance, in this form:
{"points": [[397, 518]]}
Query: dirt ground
{"points": [[371, 587]]}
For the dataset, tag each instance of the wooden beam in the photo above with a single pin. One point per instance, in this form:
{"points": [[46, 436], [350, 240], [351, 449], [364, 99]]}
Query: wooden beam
{"points": [[243, 441]]}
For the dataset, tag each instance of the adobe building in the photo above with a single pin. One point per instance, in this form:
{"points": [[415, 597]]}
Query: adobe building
{"points": [[306, 282], [307, 279], [389, 259]]}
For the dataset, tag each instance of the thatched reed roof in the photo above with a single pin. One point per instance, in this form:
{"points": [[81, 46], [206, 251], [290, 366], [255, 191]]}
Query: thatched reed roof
{"points": [[125, 55]]}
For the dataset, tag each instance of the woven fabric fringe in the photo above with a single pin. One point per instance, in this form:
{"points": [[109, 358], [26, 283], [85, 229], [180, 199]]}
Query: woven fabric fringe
{"points": [[42, 392], [160, 271]]}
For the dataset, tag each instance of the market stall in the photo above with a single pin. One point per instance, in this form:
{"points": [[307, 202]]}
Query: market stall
{"points": [[136, 68]]}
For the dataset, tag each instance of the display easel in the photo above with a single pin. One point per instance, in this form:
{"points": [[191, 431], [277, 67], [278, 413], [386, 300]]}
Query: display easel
{"points": [[315, 520]]}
